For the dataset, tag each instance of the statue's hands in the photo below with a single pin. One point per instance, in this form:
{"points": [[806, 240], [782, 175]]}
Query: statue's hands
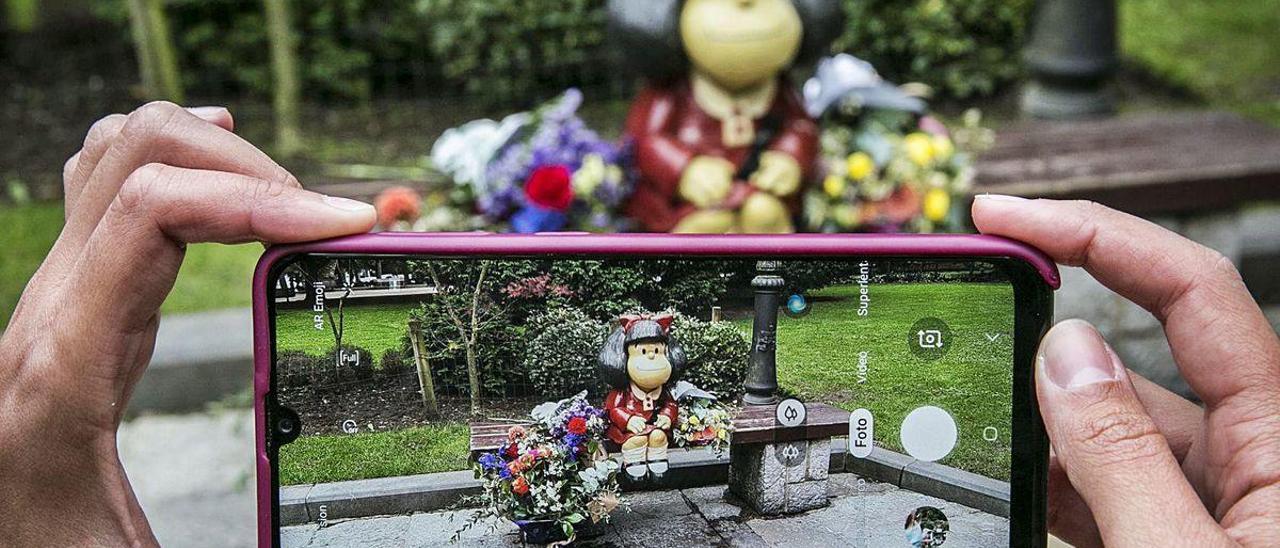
{"points": [[779, 174], [663, 422], [635, 425], [706, 181]]}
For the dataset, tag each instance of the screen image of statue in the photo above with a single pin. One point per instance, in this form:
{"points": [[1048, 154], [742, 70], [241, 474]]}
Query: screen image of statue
{"points": [[595, 399]]}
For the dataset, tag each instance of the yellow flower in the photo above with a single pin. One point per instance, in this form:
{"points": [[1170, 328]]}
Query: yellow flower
{"points": [[834, 186], [937, 203], [919, 147], [860, 165], [693, 419], [590, 175], [943, 147]]}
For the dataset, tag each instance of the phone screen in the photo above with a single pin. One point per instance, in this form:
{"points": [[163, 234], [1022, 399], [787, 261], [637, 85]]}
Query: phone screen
{"points": [[649, 401]]}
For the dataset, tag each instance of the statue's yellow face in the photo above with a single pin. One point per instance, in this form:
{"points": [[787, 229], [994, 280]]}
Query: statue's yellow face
{"points": [[740, 43], [647, 365]]}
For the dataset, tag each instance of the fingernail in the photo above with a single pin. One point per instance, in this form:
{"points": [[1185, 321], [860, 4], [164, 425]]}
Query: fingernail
{"points": [[1000, 198], [207, 112], [346, 204], [1074, 355]]}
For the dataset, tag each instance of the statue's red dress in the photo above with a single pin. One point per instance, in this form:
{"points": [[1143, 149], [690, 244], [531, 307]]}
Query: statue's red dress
{"points": [[669, 129], [621, 405]]}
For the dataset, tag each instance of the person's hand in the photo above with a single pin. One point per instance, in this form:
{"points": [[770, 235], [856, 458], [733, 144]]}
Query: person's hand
{"points": [[1134, 464], [662, 422], [779, 174], [706, 181], [144, 185], [636, 424]]}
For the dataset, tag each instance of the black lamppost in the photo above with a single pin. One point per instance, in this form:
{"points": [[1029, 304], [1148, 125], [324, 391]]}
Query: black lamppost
{"points": [[1071, 57], [762, 379]]}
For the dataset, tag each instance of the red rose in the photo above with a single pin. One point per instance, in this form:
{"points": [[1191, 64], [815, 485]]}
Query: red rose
{"points": [[550, 187], [512, 451], [520, 486], [577, 425]]}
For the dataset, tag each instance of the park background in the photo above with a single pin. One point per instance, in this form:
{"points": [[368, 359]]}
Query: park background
{"points": [[373, 82]]}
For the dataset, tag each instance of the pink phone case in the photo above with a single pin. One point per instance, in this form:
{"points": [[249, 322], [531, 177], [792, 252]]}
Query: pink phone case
{"points": [[471, 244]]}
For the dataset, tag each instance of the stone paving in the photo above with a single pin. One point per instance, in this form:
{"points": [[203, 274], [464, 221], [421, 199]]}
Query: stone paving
{"points": [[869, 515]]}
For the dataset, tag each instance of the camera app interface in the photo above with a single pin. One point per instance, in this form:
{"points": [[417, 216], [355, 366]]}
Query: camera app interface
{"points": [[642, 402]]}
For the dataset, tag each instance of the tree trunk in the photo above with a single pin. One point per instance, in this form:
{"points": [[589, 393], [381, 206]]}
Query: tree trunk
{"points": [[284, 72], [142, 46], [473, 377], [166, 58], [157, 62], [473, 368], [423, 365]]}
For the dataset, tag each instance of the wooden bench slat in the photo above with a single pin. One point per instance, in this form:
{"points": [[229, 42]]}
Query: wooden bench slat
{"points": [[752, 424], [1145, 164]]}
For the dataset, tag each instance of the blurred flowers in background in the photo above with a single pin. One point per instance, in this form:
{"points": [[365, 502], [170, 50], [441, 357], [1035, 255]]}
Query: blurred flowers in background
{"points": [[538, 171], [893, 171]]}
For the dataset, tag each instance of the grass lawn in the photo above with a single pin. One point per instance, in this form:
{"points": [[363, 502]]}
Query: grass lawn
{"points": [[213, 276], [374, 328], [818, 361], [420, 450], [1226, 53]]}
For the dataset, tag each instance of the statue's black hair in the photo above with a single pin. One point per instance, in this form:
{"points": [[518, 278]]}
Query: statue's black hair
{"points": [[613, 357], [647, 33]]}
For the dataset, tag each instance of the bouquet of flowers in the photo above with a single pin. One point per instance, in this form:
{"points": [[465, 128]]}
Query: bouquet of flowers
{"points": [[538, 171], [552, 471], [888, 166], [886, 172], [702, 421]]}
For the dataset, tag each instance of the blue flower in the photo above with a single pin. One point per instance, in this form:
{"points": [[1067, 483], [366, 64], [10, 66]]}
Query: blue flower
{"points": [[532, 219], [491, 461]]}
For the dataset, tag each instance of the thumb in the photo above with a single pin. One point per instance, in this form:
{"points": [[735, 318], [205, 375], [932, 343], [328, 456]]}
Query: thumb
{"points": [[1110, 448]]}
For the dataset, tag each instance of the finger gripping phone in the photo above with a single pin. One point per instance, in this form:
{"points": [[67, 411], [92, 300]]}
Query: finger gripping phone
{"points": [[870, 390]]}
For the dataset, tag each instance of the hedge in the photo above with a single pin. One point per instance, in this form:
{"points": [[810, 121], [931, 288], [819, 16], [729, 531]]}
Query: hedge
{"points": [[513, 52]]}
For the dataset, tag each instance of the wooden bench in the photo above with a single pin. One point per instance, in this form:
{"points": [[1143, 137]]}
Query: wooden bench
{"points": [[1145, 164], [756, 424], [489, 436], [753, 424]]}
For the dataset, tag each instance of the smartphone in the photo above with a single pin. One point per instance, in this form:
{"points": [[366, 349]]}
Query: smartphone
{"points": [[651, 390]]}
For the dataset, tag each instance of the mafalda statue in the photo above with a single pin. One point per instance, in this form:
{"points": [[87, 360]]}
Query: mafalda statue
{"points": [[639, 361], [722, 140]]}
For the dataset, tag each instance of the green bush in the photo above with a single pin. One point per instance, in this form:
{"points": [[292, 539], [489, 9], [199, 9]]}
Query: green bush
{"points": [[719, 355], [498, 353], [564, 347], [347, 49], [962, 48], [513, 52], [296, 368]]}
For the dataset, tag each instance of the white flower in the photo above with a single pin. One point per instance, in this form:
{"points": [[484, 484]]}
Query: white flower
{"points": [[464, 152]]}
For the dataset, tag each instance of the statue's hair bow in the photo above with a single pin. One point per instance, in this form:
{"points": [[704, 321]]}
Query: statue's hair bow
{"points": [[663, 320]]}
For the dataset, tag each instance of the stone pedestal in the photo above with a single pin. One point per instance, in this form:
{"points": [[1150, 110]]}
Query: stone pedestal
{"points": [[759, 477]]}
